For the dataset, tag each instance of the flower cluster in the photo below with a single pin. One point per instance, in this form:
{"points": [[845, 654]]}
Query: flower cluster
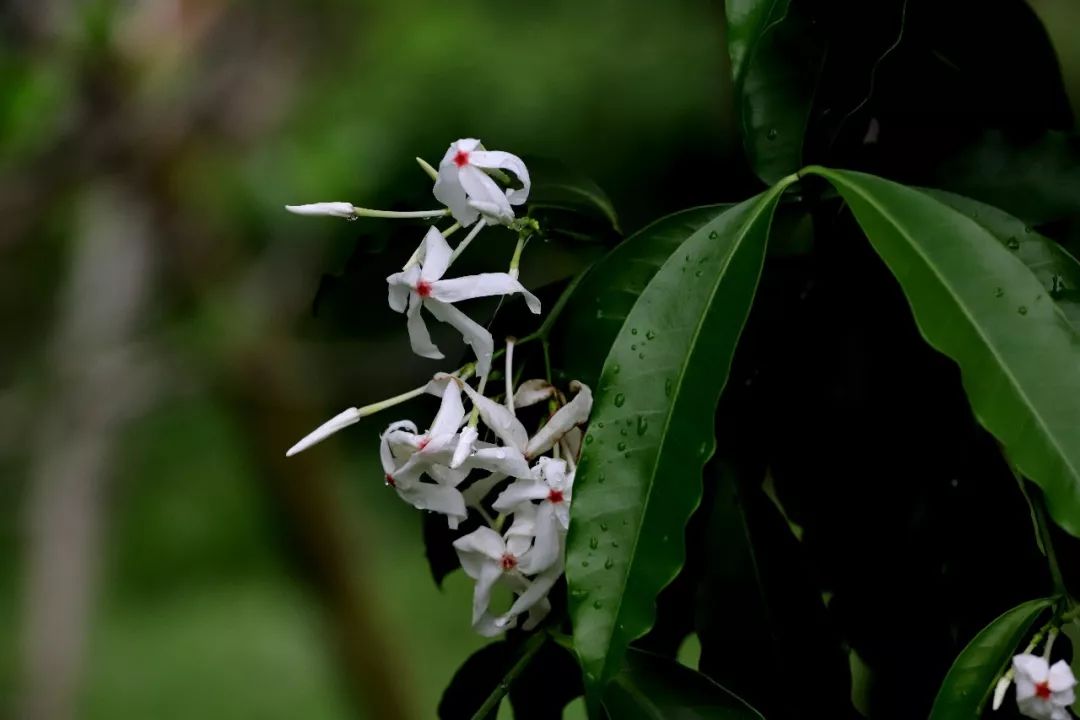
{"points": [[482, 462], [1043, 691]]}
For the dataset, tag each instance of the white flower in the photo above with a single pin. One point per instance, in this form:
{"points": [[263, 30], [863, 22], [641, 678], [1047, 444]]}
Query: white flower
{"points": [[422, 286], [489, 558], [407, 455], [553, 486], [469, 191], [329, 209], [1043, 691]]}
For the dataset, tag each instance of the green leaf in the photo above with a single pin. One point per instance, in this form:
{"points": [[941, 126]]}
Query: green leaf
{"points": [[652, 429], [568, 205], [602, 299], [977, 303], [656, 688], [972, 676], [1057, 270], [775, 61]]}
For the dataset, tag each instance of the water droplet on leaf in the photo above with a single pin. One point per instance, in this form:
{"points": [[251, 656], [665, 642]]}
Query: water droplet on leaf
{"points": [[594, 543], [998, 292], [650, 335], [620, 399], [608, 564], [621, 446], [642, 425], [1022, 310], [1012, 243]]}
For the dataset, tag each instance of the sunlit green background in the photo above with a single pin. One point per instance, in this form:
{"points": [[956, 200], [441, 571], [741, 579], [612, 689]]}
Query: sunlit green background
{"points": [[158, 345]]}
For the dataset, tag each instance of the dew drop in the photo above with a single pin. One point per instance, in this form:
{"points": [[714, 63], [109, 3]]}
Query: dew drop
{"points": [[697, 273], [714, 235], [633, 331], [609, 563], [1028, 230], [626, 454], [594, 543], [1057, 284], [650, 335], [624, 432], [668, 386], [1022, 310], [998, 292], [620, 399], [600, 478], [584, 563], [1012, 243], [633, 347], [614, 543], [615, 369], [621, 446], [703, 448], [773, 132], [589, 439], [642, 425], [579, 592], [603, 527], [600, 425], [597, 604], [641, 356]]}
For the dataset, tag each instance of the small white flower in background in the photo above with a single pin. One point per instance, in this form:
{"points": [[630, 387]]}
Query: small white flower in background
{"points": [[552, 486], [1043, 691], [328, 209], [422, 286], [469, 191]]}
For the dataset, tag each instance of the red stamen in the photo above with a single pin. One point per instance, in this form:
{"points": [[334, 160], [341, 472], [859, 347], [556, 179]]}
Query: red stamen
{"points": [[1042, 690], [509, 562], [461, 159], [390, 481], [555, 496], [423, 442], [423, 288]]}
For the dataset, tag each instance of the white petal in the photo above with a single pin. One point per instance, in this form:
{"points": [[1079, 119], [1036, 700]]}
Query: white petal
{"points": [[1061, 677], [1025, 689], [537, 613], [1031, 667], [537, 591], [545, 550], [503, 460], [501, 421], [481, 188], [436, 498], [493, 213], [1036, 707], [519, 492], [482, 285], [482, 540], [572, 414], [449, 191], [329, 209], [419, 337], [451, 412], [533, 391], [446, 476], [341, 420], [479, 339], [399, 285], [485, 581], [464, 447], [495, 159], [436, 255], [1065, 698]]}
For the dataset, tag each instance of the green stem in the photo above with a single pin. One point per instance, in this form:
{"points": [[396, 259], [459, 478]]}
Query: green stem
{"points": [[395, 214], [532, 646], [465, 243], [515, 261]]}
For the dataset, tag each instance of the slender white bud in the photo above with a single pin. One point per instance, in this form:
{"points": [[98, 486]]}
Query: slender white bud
{"points": [[464, 447], [329, 209], [328, 428], [1001, 689]]}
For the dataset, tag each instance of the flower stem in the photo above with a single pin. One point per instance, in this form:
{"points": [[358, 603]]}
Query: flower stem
{"points": [[532, 646], [395, 214], [468, 239], [510, 374], [515, 261], [431, 172]]}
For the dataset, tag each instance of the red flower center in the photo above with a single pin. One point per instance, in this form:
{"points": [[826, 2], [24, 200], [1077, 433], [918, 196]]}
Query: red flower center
{"points": [[461, 159], [423, 442], [555, 496], [423, 288], [509, 562], [390, 481], [1042, 690]]}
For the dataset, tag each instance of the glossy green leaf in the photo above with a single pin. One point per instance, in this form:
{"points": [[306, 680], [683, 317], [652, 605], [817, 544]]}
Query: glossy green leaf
{"points": [[1057, 270], [651, 687], [651, 430], [602, 299], [977, 303], [972, 676], [775, 61]]}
